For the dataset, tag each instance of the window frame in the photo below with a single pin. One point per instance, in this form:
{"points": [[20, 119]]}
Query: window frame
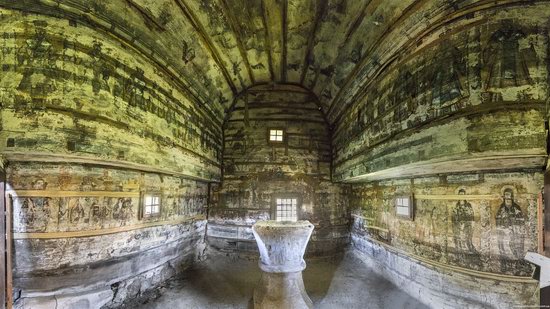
{"points": [[410, 215], [143, 197], [286, 196], [283, 136]]}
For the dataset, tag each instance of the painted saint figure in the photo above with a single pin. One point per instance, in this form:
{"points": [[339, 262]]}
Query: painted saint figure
{"points": [[126, 211], [510, 223], [117, 209], [27, 212], [463, 218], [77, 212], [450, 76], [507, 65]]}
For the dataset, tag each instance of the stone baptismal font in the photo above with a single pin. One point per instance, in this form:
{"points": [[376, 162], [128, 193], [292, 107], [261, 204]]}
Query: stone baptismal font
{"points": [[282, 245]]}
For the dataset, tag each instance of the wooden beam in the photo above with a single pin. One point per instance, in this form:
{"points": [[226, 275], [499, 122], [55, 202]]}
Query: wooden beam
{"points": [[90, 116], [237, 32], [457, 164], [359, 18], [477, 110], [193, 19], [267, 40], [57, 193], [44, 157], [285, 41], [454, 197], [287, 87], [321, 8], [146, 13], [289, 119], [126, 38], [444, 267]]}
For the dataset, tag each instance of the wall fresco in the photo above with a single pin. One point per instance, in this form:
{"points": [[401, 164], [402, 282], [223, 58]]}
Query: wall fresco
{"points": [[256, 170], [477, 69], [489, 230], [105, 101], [49, 212], [102, 205]]}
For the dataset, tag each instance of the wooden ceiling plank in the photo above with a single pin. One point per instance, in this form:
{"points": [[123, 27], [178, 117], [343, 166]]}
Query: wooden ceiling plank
{"points": [[268, 40], [236, 30], [323, 4], [120, 33], [188, 13], [406, 13], [358, 95], [284, 40]]}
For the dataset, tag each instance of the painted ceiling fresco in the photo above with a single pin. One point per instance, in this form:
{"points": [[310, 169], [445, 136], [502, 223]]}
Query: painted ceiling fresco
{"points": [[218, 48]]}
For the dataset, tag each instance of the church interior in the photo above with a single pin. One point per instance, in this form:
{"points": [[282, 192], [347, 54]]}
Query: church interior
{"points": [[214, 153]]}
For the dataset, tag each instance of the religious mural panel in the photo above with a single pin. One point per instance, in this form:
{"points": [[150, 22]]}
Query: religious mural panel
{"points": [[489, 229], [461, 71], [103, 100], [52, 198]]}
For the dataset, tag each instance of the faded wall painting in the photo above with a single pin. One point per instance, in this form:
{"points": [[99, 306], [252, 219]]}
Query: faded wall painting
{"points": [[256, 170], [476, 70], [74, 198], [508, 55], [462, 222], [94, 98], [490, 229], [511, 230]]}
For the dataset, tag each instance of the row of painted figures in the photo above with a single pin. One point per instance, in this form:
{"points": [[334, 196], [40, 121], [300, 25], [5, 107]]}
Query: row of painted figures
{"points": [[38, 214], [510, 225], [509, 235]]}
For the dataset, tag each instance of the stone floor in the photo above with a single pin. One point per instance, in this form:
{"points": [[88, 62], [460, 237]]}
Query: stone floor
{"points": [[225, 282]]}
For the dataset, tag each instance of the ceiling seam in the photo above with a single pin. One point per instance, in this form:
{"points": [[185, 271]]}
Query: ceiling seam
{"points": [[322, 5], [285, 38], [267, 41], [236, 31], [188, 13]]}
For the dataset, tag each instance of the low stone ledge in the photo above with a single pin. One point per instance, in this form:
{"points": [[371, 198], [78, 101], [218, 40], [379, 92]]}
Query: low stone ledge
{"points": [[441, 287], [110, 281], [108, 296]]}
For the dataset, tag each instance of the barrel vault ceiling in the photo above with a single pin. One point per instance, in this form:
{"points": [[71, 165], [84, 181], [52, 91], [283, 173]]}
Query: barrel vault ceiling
{"points": [[218, 48]]}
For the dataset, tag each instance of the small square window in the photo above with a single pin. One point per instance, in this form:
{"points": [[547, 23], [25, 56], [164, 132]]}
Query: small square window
{"points": [[151, 205], [286, 209], [404, 207], [276, 135]]}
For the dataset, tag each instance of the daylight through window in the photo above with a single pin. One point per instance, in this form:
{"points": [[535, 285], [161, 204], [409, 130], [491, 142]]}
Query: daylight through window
{"points": [[151, 206], [287, 209], [275, 135], [403, 206]]}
